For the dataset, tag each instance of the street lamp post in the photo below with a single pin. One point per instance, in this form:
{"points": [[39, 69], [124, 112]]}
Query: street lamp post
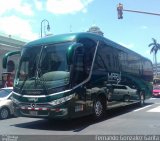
{"points": [[48, 26]]}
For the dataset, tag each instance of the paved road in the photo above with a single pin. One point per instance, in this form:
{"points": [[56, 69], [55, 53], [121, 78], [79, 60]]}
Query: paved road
{"points": [[130, 120]]}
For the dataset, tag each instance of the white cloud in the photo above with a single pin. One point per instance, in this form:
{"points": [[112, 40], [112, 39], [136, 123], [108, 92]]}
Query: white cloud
{"points": [[17, 5], [39, 5], [130, 45], [18, 27], [67, 6], [25, 9]]}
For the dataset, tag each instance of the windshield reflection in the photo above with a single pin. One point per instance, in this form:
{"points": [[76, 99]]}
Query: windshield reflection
{"points": [[44, 66]]}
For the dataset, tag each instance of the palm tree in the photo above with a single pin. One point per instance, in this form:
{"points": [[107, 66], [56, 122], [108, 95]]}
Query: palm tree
{"points": [[154, 50]]}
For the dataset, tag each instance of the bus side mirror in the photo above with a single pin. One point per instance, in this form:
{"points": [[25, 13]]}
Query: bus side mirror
{"points": [[70, 52], [5, 58]]}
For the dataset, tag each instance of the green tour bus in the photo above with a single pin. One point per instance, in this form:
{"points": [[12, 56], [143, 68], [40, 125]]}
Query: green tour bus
{"points": [[77, 74]]}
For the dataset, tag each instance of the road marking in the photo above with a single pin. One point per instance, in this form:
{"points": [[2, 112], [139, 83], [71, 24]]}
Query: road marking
{"points": [[157, 103], [142, 108], [152, 98], [157, 109]]}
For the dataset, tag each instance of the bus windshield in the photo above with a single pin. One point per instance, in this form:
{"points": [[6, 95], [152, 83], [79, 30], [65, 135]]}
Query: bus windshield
{"points": [[44, 66]]}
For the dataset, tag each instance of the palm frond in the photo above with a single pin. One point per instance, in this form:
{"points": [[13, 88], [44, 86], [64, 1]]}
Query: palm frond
{"points": [[155, 46], [151, 44], [154, 41]]}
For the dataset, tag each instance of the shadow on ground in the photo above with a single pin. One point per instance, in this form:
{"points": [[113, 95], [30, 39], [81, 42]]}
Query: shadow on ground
{"points": [[75, 125]]}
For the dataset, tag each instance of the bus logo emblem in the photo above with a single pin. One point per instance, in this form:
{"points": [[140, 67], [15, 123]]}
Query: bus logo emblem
{"points": [[33, 105], [33, 99]]}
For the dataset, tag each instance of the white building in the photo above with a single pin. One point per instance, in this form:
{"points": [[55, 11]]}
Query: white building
{"points": [[158, 70], [8, 44]]}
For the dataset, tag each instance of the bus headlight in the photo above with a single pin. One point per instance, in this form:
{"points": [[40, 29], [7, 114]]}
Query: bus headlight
{"points": [[61, 100], [14, 100]]}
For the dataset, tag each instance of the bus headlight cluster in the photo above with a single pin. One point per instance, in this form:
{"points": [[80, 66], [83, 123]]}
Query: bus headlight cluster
{"points": [[61, 100], [15, 100]]}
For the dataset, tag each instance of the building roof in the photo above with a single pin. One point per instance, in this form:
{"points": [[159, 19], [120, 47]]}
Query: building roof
{"points": [[8, 43]]}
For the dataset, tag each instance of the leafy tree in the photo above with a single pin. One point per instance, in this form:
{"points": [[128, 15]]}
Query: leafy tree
{"points": [[155, 47]]}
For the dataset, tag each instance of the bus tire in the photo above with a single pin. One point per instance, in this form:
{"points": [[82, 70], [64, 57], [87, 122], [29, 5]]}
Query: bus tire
{"points": [[99, 108], [141, 99]]}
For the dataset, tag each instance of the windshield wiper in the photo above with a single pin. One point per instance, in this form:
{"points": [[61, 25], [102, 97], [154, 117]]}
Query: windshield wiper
{"points": [[39, 72], [21, 88]]}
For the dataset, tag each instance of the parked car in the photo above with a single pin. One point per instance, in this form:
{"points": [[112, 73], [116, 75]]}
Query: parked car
{"points": [[156, 91], [6, 105]]}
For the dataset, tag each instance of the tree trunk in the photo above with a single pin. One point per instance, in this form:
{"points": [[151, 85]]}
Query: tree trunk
{"points": [[155, 55]]}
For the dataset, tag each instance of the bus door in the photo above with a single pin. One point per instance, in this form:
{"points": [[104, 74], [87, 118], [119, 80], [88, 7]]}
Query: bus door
{"points": [[77, 80], [80, 58]]}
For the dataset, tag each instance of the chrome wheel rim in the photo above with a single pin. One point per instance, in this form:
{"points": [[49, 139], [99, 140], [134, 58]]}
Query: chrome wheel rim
{"points": [[4, 113], [98, 108]]}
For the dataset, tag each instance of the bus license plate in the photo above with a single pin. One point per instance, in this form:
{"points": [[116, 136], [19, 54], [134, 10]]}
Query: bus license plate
{"points": [[33, 113]]}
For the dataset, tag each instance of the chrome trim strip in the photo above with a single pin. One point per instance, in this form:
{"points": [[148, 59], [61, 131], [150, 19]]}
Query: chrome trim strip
{"points": [[35, 115], [16, 93], [42, 95]]}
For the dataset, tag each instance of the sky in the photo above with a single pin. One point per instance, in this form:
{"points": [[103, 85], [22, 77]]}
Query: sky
{"points": [[22, 20]]}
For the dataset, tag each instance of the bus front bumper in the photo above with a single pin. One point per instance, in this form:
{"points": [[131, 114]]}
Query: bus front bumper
{"points": [[41, 112]]}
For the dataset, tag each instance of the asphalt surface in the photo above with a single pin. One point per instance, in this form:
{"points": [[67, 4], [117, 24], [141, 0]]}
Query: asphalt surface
{"points": [[130, 120]]}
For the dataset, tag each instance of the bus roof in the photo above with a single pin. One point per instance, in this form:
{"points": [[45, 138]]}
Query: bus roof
{"points": [[75, 36], [61, 38]]}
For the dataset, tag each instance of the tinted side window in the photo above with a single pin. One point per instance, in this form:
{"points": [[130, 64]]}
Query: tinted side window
{"points": [[83, 58], [106, 58], [122, 57], [89, 51], [134, 64], [147, 70], [79, 73], [130, 63]]}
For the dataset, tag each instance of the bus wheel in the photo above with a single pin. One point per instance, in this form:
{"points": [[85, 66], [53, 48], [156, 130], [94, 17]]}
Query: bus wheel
{"points": [[99, 108], [141, 99], [4, 113]]}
